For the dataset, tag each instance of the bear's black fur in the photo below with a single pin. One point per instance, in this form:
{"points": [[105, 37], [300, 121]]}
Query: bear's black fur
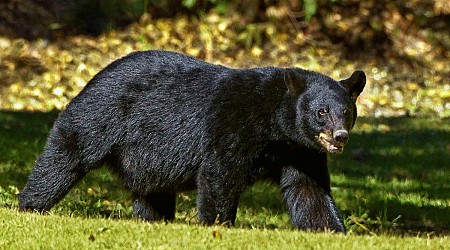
{"points": [[167, 122]]}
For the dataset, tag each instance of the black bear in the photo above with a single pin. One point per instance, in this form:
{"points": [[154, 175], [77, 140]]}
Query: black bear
{"points": [[166, 122]]}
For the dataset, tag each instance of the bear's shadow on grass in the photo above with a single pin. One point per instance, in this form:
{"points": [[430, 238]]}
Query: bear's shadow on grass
{"points": [[416, 154]]}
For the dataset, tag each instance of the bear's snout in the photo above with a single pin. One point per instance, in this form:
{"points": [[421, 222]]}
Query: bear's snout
{"points": [[335, 141], [341, 136]]}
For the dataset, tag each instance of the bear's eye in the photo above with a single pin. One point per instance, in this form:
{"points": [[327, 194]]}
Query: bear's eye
{"points": [[346, 112], [323, 112]]}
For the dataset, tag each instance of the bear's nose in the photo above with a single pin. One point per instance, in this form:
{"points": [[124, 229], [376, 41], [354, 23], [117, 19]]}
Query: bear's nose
{"points": [[341, 135]]}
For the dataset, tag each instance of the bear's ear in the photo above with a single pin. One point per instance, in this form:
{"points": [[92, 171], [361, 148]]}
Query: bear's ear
{"points": [[295, 84], [355, 84]]}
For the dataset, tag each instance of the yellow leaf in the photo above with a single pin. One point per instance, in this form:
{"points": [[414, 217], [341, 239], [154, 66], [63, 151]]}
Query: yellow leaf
{"points": [[257, 51], [91, 191], [384, 128]]}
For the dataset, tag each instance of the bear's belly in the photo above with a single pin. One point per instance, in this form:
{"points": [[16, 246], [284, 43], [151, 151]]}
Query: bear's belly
{"points": [[163, 179]]}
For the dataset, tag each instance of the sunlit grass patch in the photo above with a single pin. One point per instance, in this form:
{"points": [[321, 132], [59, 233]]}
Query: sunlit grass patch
{"points": [[33, 231]]}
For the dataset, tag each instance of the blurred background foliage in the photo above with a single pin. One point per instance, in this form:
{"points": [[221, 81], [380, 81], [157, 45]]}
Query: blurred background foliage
{"points": [[50, 49]]}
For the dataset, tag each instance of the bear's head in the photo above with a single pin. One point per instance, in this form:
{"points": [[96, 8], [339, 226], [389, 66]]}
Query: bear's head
{"points": [[322, 110]]}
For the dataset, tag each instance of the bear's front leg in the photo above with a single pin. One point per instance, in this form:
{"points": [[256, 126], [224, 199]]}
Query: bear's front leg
{"points": [[309, 201], [218, 197]]}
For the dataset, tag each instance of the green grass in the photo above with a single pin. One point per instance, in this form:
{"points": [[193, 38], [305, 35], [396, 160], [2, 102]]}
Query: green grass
{"points": [[32, 231], [391, 185]]}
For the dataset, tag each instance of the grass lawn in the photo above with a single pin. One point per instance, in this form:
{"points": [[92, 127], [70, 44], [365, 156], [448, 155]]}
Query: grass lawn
{"points": [[391, 185], [32, 231]]}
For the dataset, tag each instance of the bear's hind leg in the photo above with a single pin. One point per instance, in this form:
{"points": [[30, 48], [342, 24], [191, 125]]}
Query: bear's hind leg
{"points": [[155, 206], [50, 180]]}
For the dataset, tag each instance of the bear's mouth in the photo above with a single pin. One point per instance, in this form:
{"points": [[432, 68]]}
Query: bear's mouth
{"points": [[330, 144]]}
